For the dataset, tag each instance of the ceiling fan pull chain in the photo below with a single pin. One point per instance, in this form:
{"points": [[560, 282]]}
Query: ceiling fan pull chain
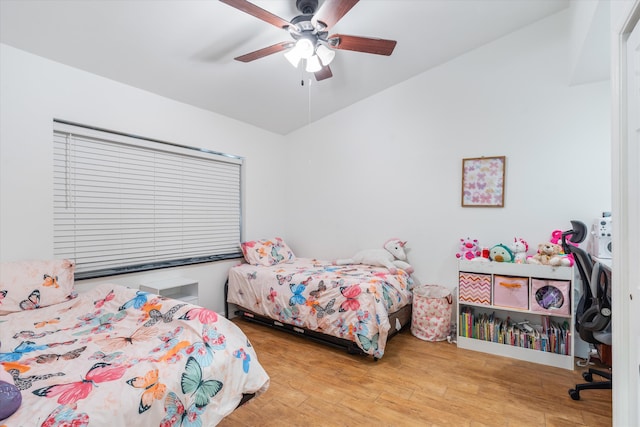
{"points": [[309, 110]]}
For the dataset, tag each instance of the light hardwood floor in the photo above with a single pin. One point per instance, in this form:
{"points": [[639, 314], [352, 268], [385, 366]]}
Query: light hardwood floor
{"points": [[416, 383]]}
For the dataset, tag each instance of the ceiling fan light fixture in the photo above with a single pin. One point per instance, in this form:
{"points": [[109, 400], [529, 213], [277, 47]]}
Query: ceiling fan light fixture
{"points": [[305, 48], [310, 33], [293, 57], [313, 64], [325, 54]]}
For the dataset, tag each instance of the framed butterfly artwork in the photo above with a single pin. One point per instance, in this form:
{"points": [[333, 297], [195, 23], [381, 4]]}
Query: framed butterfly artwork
{"points": [[483, 180]]}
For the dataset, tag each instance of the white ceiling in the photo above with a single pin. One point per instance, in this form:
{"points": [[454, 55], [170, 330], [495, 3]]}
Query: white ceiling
{"points": [[184, 49]]}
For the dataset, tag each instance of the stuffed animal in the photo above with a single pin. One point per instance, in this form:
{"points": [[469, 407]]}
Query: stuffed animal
{"points": [[10, 396], [556, 237], [549, 254], [500, 253], [519, 249], [392, 257], [469, 249]]}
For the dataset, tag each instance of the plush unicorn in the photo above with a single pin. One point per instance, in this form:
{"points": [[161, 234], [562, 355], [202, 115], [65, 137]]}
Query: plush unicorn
{"points": [[392, 257], [519, 249]]}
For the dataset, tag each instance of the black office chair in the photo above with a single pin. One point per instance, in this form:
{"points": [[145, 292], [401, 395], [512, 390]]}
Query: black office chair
{"points": [[593, 312]]}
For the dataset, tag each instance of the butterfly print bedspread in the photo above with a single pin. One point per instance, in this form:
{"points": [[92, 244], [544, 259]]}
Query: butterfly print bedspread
{"points": [[348, 301], [118, 356]]}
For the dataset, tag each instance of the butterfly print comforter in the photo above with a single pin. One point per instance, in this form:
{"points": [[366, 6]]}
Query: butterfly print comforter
{"points": [[349, 301], [116, 356]]}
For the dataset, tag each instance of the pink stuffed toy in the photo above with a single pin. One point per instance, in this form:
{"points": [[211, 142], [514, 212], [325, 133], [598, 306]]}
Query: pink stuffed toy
{"points": [[556, 238], [469, 249]]}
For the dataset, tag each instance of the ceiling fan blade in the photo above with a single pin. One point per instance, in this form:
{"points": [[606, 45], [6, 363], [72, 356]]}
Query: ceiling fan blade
{"points": [[258, 12], [324, 73], [362, 44], [332, 11], [265, 51]]}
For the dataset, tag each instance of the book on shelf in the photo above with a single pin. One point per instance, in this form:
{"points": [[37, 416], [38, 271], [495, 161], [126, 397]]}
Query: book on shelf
{"points": [[548, 336]]}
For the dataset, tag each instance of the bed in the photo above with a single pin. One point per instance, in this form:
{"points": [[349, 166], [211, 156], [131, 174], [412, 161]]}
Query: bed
{"points": [[356, 307], [118, 356]]}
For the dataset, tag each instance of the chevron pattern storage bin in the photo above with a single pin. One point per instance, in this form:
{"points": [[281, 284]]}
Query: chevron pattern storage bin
{"points": [[475, 288]]}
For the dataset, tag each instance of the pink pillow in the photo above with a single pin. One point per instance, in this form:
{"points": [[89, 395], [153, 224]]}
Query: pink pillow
{"points": [[267, 252], [27, 285]]}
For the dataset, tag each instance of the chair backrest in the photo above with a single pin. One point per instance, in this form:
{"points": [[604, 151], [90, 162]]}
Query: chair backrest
{"points": [[581, 258], [584, 264], [598, 317]]}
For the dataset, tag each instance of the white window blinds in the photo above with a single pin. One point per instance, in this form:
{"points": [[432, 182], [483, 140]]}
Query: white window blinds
{"points": [[124, 203]]}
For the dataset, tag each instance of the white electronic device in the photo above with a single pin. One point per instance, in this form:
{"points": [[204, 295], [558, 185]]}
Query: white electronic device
{"points": [[600, 242]]}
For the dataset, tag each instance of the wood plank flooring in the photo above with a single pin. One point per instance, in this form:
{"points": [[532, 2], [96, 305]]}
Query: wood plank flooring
{"points": [[416, 383]]}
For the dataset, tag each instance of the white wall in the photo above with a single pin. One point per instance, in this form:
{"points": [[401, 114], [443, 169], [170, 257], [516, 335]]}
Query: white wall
{"points": [[589, 41], [387, 166], [35, 90], [390, 166]]}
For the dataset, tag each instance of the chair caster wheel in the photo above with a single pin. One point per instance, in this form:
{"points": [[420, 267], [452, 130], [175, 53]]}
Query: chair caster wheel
{"points": [[587, 376], [575, 394]]}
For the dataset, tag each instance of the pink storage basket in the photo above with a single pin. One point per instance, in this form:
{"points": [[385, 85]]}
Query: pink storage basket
{"points": [[475, 288], [550, 296], [511, 292], [431, 315]]}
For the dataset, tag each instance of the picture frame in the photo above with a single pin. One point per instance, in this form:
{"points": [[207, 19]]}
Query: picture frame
{"points": [[483, 180]]}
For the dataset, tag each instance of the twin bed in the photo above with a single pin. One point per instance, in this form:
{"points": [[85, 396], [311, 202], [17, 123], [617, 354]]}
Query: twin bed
{"points": [[121, 356], [356, 307], [117, 356]]}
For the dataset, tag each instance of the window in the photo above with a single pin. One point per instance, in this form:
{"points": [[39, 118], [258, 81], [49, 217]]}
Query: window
{"points": [[124, 203]]}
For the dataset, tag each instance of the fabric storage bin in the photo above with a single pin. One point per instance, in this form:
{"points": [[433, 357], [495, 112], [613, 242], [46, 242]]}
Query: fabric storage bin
{"points": [[475, 288], [511, 291], [431, 313], [550, 296]]}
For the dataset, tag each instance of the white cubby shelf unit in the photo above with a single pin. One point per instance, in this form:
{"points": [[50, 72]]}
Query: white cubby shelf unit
{"points": [[479, 300]]}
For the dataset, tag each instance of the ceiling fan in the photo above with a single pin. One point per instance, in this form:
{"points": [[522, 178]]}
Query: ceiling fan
{"points": [[309, 32]]}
